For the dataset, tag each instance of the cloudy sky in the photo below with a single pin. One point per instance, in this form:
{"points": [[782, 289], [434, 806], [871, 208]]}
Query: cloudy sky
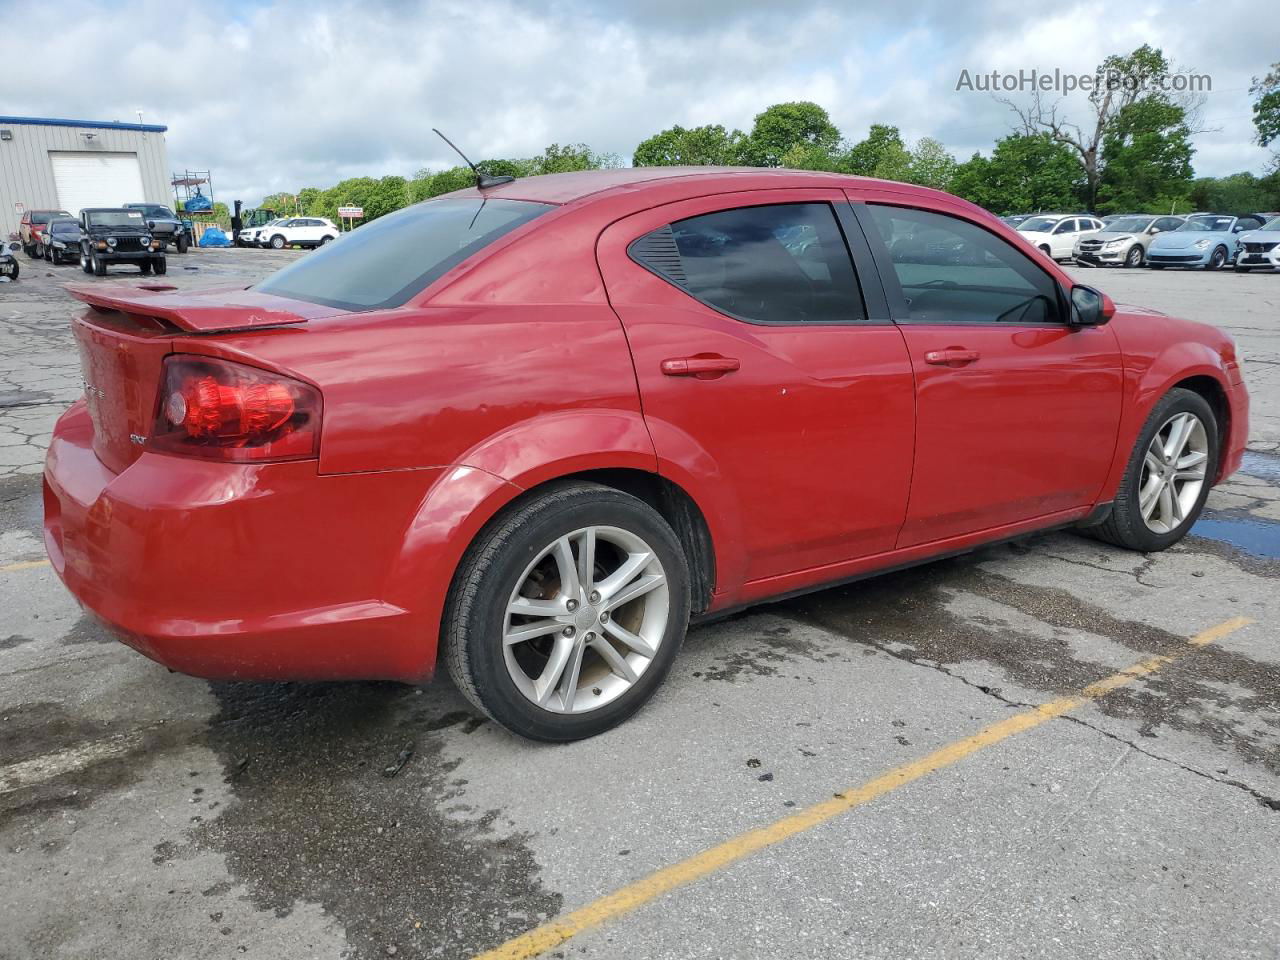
{"points": [[278, 95]]}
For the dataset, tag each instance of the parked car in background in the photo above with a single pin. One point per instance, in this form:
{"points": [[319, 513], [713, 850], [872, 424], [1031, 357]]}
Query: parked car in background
{"points": [[1055, 234], [256, 236], [60, 242], [32, 225], [299, 232], [9, 268], [115, 235], [1206, 240], [164, 225], [1260, 249], [1123, 241], [1014, 219], [536, 488]]}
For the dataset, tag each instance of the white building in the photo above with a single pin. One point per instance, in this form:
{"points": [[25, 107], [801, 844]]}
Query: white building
{"points": [[71, 164]]}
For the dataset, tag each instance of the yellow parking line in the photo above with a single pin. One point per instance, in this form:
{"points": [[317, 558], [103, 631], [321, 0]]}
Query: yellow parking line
{"points": [[555, 932], [24, 565]]}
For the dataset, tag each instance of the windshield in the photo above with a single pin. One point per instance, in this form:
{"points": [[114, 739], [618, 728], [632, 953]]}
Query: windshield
{"points": [[1272, 224], [393, 258], [1129, 225], [1207, 225], [44, 216], [1038, 224], [64, 226], [115, 218], [154, 210]]}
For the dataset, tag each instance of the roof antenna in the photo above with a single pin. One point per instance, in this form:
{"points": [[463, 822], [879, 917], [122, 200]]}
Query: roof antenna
{"points": [[482, 179]]}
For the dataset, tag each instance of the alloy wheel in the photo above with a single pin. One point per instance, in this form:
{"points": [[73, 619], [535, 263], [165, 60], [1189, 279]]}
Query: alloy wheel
{"points": [[585, 619], [1173, 472]]}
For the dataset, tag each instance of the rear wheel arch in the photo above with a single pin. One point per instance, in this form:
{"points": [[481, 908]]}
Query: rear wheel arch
{"points": [[669, 499]]}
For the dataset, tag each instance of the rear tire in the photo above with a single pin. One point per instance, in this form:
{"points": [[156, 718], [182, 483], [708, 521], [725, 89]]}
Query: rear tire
{"points": [[513, 560], [1127, 526]]}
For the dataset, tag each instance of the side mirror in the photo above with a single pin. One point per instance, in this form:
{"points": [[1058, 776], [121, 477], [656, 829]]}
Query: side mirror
{"points": [[1090, 307]]}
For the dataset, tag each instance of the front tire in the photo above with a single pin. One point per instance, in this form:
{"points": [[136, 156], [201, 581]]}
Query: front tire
{"points": [[567, 612], [1240, 269], [160, 266], [99, 268], [1134, 257], [277, 242], [1217, 260], [85, 265], [182, 243], [1168, 476]]}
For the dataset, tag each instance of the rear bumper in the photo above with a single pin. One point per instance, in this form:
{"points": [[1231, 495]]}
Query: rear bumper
{"points": [[234, 571]]}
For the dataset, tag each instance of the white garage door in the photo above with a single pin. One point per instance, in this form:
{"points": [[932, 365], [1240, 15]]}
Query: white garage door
{"points": [[96, 180]]}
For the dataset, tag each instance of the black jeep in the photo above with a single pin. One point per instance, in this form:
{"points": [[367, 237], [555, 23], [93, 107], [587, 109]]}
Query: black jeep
{"points": [[117, 235]]}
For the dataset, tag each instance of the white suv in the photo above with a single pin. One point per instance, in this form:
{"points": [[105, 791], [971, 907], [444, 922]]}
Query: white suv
{"points": [[1055, 234], [298, 231]]}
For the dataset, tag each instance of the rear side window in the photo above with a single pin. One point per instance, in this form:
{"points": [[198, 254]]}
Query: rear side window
{"points": [[953, 271], [389, 261], [781, 263]]}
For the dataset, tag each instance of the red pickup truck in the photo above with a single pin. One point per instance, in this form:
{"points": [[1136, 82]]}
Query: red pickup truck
{"points": [[32, 227]]}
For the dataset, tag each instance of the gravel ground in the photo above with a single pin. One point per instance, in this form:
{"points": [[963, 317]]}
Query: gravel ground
{"points": [[146, 814]]}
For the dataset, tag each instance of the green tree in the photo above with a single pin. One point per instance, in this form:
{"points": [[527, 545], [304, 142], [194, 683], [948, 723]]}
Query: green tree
{"points": [[783, 126], [1266, 109], [881, 153], [1146, 155], [929, 165], [1140, 76], [1024, 174], [696, 146], [1237, 193], [571, 157]]}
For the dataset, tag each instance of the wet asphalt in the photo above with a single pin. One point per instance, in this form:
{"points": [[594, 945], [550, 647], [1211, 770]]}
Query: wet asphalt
{"points": [[146, 814]]}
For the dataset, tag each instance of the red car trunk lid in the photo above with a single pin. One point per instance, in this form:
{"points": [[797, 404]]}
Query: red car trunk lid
{"points": [[124, 339]]}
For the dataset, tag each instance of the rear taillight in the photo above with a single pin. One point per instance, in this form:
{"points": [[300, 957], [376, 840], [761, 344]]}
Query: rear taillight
{"points": [[230, 411]]}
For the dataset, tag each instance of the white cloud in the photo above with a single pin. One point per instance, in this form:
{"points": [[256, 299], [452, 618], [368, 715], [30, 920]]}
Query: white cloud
{"points": [[293, 93]]}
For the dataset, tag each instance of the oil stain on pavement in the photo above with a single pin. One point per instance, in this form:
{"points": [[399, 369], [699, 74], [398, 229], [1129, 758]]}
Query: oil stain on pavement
{"points": [[344, 798]]}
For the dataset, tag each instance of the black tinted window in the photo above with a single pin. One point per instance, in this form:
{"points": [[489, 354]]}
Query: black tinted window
{"points": [[786, 263], [952, 271], [385, 263]]}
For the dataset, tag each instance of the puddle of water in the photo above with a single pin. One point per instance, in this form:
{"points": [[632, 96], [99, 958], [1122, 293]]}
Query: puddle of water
{"points": [[1259, 537], [1265, 466]]}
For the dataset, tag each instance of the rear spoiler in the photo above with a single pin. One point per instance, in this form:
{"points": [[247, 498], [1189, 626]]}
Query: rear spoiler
{"points": [[188, 310]]}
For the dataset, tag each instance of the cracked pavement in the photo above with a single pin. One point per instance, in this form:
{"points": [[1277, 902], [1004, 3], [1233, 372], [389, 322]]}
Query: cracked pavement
{"points": [[147, 814]]}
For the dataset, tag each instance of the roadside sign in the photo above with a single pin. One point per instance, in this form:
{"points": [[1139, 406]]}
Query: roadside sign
{"points": [[21, 207], [351, 213]]}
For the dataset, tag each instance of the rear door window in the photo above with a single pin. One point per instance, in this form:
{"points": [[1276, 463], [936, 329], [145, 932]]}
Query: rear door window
{"points": [[777, 263], [387, 262], [953, 271]]}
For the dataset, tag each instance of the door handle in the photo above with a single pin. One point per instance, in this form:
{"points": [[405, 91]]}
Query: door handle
{"points": [[696, 366], [951, 357]]}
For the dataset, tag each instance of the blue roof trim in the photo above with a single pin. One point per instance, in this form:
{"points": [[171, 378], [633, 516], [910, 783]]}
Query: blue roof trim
{"points": [[92, 124]]}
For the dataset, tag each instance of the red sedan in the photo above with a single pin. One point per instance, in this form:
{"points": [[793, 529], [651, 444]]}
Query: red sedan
{"points": [[531, 429]]}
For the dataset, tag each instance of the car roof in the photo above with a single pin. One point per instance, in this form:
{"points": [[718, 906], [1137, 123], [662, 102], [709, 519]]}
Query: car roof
{"points": [[565, 188]]}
